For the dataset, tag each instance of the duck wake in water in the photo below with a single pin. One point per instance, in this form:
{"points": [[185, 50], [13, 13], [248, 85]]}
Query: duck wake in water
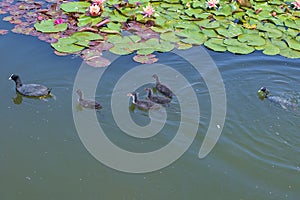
{"points": [[288, 103]]}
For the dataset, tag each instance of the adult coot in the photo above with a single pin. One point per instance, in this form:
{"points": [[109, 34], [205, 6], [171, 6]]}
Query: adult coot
{"points": [[86, 103], [30, 90], [162, 88]]}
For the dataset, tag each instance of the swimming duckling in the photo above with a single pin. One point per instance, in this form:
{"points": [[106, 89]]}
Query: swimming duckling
{"points": [[264, 93], [157, 99], [162, 88], [142, 104], [86, 103], [30, 90]]}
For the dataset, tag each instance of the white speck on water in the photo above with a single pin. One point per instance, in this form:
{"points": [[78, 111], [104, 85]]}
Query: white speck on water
{"points": [[277, 133], [218, 126], [28, 178]]}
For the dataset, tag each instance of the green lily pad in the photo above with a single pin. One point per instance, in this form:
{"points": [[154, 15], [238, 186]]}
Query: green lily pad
{"points": [[234, 46], [78, 7], [293, 44], [86, 36], [67, 48], [169, 36], [197, 39], [271, 49], [252, 40], [224, 10], [231, 31], [289, 53], [145, 59], [216, 44], [210, 33], [48, 26], [292, 23], [120, 49], [85, 20], [183, 46]]}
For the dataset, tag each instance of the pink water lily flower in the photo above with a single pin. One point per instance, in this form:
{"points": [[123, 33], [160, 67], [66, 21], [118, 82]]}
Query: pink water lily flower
{"points": [[95, 10], [212, 3], [296, 4], [58, 21], [148, 11], [99, 1]]}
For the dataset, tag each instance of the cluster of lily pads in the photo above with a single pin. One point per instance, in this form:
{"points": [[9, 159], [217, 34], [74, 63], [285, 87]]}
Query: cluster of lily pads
{"points": [[87, 28]]}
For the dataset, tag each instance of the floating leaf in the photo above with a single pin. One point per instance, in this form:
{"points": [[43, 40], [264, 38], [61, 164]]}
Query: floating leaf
{"points": [[183, 46], [169, 36], [66, 48], [145, 59], [216, 44], [252, 40], [290, 53], [271, 49], [3, 32], [85, 20], [231, 31], [94, 58], [197, 39], [48, 26], [293, 44], [235, 46], [81, 36], [77, 7]]}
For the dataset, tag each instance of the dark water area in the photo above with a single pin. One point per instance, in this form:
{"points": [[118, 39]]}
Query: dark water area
{"points": [[42, 156]]}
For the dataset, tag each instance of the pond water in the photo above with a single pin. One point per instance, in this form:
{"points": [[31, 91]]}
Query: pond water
{"points": [[42, 156]]}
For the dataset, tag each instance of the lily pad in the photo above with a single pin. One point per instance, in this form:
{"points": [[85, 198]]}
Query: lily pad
{"points": [[94, 58], [289, 53], [169, 36], [3, 32], [252, 40], [216, 44], [271, 49], [83, 36], [234, 46], [145, 59], [76, 7], [67, 48], [293, 44], [48, 26]]}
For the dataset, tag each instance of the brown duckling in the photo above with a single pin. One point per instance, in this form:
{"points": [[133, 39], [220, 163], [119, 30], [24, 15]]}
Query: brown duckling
{"points": [[86, 103], [157, 99], [162, 88]]}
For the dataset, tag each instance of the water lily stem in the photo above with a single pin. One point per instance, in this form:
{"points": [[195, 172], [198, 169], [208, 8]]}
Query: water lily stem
{"points": [[103, 22]]}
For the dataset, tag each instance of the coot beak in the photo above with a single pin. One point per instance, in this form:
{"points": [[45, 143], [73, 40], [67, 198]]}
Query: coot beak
{"points": [[10, 77]]}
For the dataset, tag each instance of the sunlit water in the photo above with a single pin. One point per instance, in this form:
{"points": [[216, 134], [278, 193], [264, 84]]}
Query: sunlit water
{"points": [[42, 157]]}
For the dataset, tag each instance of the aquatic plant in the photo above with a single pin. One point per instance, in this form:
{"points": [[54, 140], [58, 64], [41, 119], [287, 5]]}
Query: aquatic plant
{"points": [[144, 27]]}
